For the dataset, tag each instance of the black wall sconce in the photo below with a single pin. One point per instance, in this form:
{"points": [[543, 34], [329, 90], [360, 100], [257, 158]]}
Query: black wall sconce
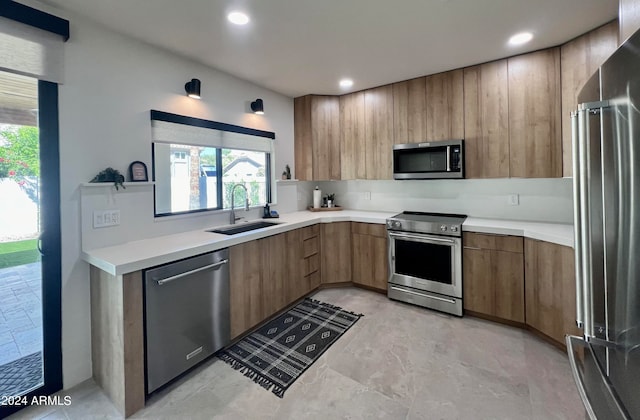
{"points": [[257, 106], [193, 88]]}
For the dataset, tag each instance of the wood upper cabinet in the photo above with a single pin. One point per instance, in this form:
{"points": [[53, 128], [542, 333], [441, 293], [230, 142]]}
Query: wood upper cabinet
{"points": [[579, 59], [317, 137], [410, 111], [494, 275], [378, 117], [370, 264], [629, 18], [534, 115], [352, 135], [445, 109], [550, 291], [336, 252], [486, 120]]}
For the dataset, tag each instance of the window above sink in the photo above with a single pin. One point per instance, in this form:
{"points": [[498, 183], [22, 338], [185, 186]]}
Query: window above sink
{"points": [[196, 163]]}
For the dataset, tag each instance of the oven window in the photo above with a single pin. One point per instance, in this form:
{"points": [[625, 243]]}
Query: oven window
{"points": [[432, 159], [424, 261]]}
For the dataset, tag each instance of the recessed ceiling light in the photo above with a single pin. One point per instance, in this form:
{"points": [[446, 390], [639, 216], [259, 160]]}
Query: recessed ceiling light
{"points": [[238, 18], [346, 83], [521, 38]]}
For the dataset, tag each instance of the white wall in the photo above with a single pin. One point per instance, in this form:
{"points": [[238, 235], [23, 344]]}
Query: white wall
{"points": [[111, 84], [548, 200]]}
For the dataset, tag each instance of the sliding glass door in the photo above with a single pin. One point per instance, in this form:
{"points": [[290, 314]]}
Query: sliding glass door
{"points": [[30, 344]]}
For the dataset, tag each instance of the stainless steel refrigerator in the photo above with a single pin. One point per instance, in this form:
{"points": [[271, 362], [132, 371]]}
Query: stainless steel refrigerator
{"points": [[606, 155]]}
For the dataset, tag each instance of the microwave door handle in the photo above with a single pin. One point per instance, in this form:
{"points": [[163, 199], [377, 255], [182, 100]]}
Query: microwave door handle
{"points": [[448, 148]]}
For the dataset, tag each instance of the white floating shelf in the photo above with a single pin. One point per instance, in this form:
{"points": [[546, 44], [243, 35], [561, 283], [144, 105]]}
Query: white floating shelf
{"points": [[111, 184], [286, 181]]}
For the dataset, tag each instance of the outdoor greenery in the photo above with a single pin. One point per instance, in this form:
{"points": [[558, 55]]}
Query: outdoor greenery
{"points": [[19, 152], [18, 253]]}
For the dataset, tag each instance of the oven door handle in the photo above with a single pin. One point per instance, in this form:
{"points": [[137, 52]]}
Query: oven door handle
{"points": [[421, 238], [411, 292]]}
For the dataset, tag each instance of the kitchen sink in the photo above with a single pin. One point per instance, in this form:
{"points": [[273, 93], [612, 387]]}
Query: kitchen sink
{"points": [[244, 227]]}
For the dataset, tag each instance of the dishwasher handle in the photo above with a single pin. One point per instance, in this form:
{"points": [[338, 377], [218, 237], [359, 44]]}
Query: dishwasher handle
{"points": [[197, 270]]}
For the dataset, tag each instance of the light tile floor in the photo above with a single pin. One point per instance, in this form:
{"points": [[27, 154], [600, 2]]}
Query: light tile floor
{"points": [[397, 362], [20, 311]]}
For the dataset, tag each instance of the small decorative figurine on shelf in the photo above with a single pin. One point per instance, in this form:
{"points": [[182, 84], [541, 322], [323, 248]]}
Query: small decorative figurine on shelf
{"points": [[286, 174], [110, 175]]}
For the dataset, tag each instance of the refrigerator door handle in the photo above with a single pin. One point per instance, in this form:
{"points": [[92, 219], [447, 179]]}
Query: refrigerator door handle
{"points": [[584, 247], [577, 377], [577, 235]]}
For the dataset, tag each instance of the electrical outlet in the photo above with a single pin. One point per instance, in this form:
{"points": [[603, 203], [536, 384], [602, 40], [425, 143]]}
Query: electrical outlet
{"points": [[514, 199], [366, 195], [105, 218]]}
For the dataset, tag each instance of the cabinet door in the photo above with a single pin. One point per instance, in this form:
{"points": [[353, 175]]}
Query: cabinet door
{"points": [[478, 285], [245, 269], [317, 137], [629, 16], [336, 252], [275, 268], [445, 109], [325, 135], [486, 120], [534, 115], [302, 138], [370, 255], [353, 143], [580, 58], [409, 111], [508, 269], [378, 106], [295, 280], [550, 288]]}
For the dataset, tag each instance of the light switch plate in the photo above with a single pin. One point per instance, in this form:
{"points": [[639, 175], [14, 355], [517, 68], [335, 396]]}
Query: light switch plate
{"points": [[106, 218], [514, 199]]}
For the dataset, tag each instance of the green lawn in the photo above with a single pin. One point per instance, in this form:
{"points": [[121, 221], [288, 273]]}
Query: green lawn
{"points": [[18, 253]]}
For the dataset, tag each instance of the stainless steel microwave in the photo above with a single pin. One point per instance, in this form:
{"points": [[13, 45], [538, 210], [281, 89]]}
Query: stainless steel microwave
{"points": [[432, 160]]}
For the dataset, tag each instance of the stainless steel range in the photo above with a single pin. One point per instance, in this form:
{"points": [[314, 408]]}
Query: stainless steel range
{"points": [[425, 260]]}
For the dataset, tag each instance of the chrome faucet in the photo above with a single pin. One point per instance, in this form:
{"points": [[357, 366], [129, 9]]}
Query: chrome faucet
{"points": [[232, 215]]}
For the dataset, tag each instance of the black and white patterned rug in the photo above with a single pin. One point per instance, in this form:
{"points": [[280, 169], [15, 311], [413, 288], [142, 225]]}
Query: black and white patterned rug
{"points": [[22, 375], [276, 354]]}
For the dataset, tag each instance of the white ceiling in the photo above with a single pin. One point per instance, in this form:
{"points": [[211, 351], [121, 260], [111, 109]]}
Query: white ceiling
{"points": [[297, 47]]}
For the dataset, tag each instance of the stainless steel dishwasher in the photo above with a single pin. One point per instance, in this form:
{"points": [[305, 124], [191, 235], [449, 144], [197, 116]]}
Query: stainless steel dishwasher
{"points": [[186, 314]]}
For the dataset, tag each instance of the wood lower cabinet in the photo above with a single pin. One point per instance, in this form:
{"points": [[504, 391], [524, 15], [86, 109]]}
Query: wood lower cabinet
{"points": [[336, 254], [270, 273], [550, 291], [494, 276], [246, 285], [370, 264]]}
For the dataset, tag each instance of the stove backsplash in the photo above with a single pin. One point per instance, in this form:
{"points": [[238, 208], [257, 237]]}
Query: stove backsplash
{"points": [[545, 200]]}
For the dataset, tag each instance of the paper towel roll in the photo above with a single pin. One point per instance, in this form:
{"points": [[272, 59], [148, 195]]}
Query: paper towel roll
{"points": [[317, 198]]}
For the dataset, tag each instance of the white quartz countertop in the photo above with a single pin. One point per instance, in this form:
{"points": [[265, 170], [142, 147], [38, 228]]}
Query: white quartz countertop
{"points": [[557, 233], [137, 255]]}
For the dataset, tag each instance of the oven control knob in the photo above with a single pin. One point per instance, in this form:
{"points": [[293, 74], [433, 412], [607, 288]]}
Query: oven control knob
{"points": [[443, 228], [454, 228], [397, 224]]}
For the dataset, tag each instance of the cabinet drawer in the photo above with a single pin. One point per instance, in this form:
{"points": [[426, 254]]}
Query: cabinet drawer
{"points": [[493, 242], [371, 229], [311, 264], [313, 280], [310, 246], [310, 231]]}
